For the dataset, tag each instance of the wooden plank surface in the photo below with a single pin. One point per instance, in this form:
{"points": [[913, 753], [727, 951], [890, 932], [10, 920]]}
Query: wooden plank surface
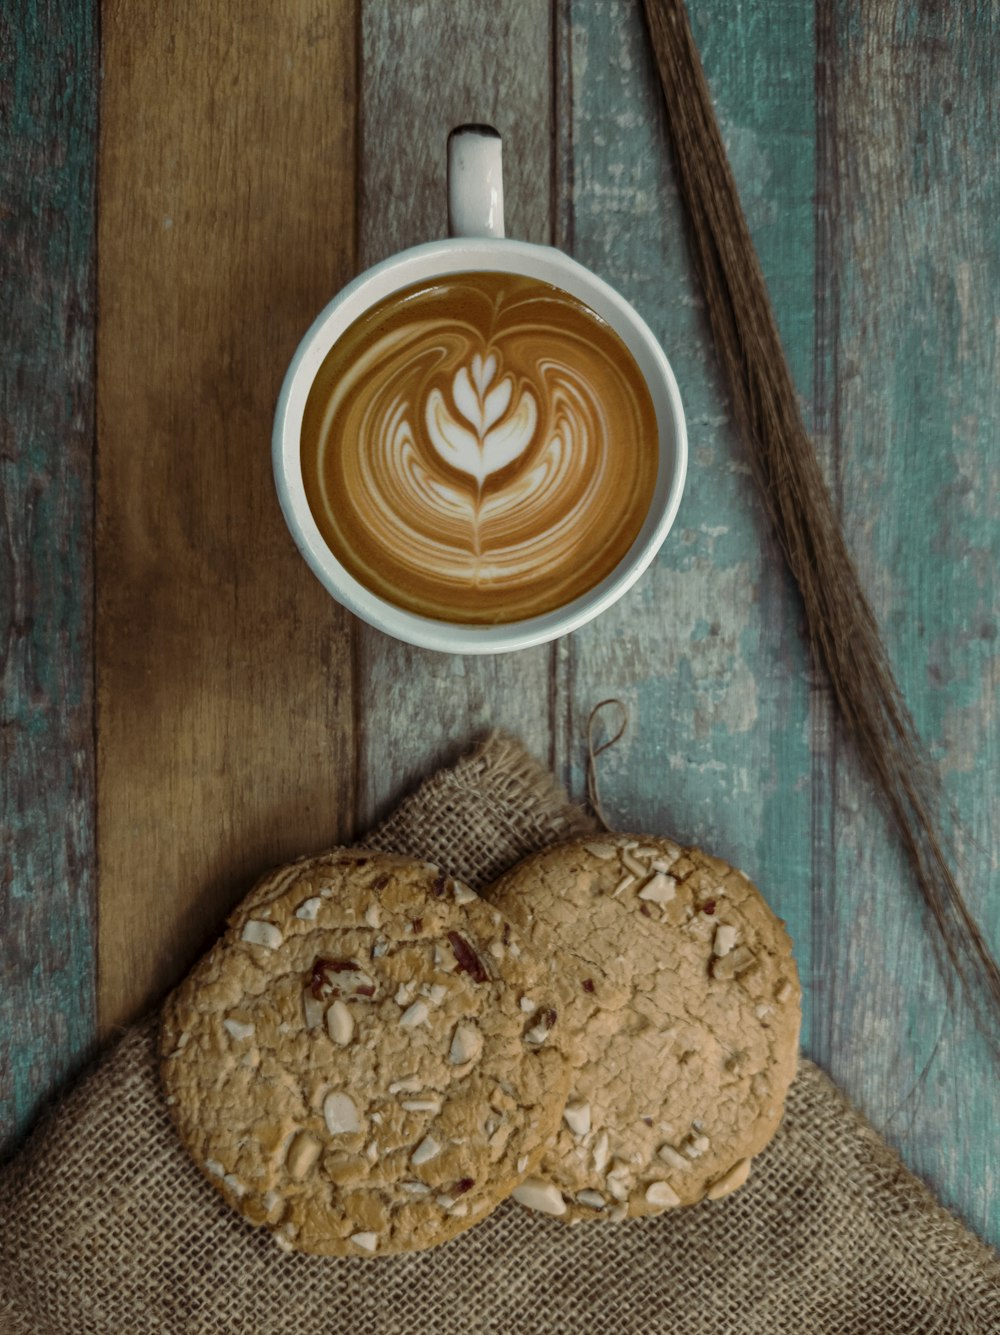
{"points": [[244, 718], [225, 687], [427, 68], [733, 742], [48, 120], [915, 261]]}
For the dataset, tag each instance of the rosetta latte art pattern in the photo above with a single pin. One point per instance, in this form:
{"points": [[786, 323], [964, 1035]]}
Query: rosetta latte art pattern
{"points": [[479, 449]]}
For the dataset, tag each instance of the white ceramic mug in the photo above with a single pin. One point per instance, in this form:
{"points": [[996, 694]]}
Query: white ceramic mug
{"points": [[475, 214]]}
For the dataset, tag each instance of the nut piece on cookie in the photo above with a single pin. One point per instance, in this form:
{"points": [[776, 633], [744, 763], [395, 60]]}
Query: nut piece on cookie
{"points": [[542, 1196], [349, 1066], [677, 986], [731, 1181]]}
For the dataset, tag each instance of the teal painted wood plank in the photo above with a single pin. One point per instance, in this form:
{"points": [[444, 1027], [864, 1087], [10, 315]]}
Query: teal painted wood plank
{"points": [[915, 259], [706, 650], [48, 116]]}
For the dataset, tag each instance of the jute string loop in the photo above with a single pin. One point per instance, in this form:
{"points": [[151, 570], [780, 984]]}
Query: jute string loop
{"points": [[594, 750]]}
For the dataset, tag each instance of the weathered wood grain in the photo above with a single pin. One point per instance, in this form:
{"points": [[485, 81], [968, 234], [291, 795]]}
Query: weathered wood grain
{"points": [[48, 119], [224, 670], [915, 259], [236, 727], [705, 650], [427, 68]]}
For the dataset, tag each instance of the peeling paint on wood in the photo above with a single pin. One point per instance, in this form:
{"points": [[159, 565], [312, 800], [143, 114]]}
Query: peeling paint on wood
{"points": [[915, 258], [48, 99]]}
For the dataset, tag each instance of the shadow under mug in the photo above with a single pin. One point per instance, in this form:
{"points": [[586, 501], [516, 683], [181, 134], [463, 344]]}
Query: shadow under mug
{"points": [[475, 216]]}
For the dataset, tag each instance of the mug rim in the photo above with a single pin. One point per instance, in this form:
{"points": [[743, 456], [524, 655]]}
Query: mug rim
{"points": [[421, 263]]}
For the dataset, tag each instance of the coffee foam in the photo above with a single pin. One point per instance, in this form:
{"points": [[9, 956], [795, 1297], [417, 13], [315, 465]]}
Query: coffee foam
{"points": [[481, 448]]}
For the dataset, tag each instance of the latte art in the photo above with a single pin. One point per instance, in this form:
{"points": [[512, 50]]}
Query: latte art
{"points": [[480, 449], [493, 441]]}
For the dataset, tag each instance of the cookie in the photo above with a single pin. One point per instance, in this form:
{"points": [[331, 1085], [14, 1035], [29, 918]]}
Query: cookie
{"points": [[369, 1060], [679, 988]]}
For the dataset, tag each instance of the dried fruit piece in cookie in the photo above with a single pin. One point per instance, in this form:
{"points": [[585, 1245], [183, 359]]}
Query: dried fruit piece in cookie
{"points": [[352, 1065], [679, 990]]}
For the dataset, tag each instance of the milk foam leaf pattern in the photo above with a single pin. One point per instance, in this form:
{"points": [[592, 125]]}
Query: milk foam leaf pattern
{"points": [[456, 444], [490, 441], [483, 371], [471, 397]]}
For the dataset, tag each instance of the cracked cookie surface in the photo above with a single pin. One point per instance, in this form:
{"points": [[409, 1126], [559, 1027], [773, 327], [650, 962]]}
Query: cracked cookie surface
{"points": [[369, 1060], [679, 988]]}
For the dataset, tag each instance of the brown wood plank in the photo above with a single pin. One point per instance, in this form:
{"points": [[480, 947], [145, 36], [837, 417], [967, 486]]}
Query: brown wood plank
{"points": [[224, 670], [48, 139], [427, 68]]}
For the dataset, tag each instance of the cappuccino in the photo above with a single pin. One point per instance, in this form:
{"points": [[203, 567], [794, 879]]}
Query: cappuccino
{"points": [[479, 448]]}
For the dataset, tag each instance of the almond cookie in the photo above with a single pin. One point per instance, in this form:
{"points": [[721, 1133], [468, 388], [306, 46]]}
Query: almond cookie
{"points": [[679, 988], [369, 1060]]}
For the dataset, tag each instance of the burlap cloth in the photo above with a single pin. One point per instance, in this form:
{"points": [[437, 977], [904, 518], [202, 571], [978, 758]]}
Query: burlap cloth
{"points": [[106, 1227]]}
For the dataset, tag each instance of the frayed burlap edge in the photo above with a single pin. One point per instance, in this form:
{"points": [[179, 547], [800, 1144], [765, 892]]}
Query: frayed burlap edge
{"points": [[520, 805]]}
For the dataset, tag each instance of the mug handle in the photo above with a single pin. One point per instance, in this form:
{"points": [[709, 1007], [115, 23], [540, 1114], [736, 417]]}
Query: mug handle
{"points": [[475, 181]]}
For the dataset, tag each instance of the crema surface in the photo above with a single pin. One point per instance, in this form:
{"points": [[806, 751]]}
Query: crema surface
{"points": [[479, 448]]}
